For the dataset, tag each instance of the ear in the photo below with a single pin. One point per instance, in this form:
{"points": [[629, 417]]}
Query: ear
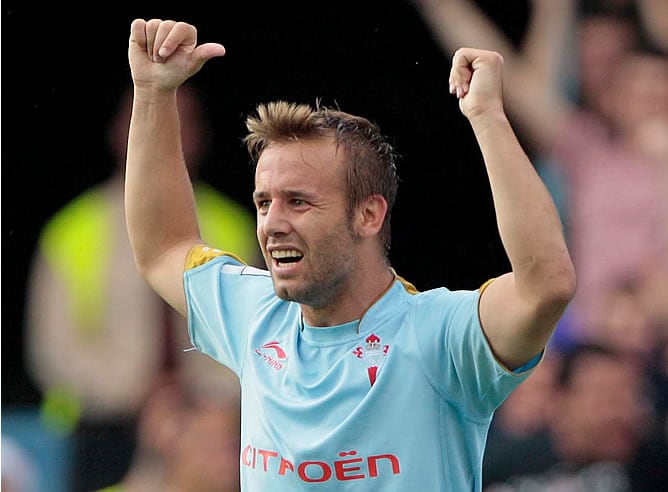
{"points": [[370, 216]]}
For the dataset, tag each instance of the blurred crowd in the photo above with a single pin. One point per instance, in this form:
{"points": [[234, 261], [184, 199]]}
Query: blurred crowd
{"points": [[587, 91], [126, 405]]}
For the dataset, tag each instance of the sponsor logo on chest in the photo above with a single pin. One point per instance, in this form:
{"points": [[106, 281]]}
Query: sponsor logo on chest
{"points": [[273, 354]]}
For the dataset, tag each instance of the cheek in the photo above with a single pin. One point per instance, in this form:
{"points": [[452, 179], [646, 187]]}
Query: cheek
{"points": [[262, 241], [338, 237], [259, 228], [322, 231]]}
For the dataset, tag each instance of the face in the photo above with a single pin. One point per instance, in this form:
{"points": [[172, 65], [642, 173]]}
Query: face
{"points": [[303, 228], [527, 408], [624, 323], [607, 407], [603, 41], [640, 88]]}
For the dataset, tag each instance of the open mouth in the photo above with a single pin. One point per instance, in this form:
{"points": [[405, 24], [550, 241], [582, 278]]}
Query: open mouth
{"points": [[286, 256]]}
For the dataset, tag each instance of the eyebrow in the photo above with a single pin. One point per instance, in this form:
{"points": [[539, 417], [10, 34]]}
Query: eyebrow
{"points": [[285, 194]]}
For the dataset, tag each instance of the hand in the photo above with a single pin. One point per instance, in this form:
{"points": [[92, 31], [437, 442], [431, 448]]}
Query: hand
{"points": [[163, 54], [476, 77]]}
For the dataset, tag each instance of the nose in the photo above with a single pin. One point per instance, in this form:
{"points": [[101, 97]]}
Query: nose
{"points": [[275, 221]]}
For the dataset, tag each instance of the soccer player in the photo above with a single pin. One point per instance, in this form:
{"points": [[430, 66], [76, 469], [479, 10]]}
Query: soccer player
{"points": [[351, 379]]}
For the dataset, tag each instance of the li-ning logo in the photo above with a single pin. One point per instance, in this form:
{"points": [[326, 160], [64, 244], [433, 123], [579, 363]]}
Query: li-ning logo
{"points": [[373, 353], [273, 355]]}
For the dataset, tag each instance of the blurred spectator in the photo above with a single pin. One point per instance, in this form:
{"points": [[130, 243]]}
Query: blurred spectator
{"points": [[19, 470], [521, 424], [97, 336], [608, 146], [188, 437], [599, 433], [654, 15], [622, 322]]}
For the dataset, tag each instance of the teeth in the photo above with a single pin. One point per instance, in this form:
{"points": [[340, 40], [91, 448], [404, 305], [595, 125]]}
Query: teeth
{"points": [[286, 253]]}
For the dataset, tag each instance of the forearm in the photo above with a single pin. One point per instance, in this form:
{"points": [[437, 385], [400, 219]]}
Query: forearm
{"points": [[527, 219], [548, 43], [456, 23], [160, 209], [654, 18]]}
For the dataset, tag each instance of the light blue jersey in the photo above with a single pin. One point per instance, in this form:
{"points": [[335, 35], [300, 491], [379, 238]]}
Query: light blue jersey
{"points": [[400, 401]]}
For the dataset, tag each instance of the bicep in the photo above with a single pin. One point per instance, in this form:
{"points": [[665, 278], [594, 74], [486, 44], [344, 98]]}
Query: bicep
{"points": [[514, 326], [165, 275]]}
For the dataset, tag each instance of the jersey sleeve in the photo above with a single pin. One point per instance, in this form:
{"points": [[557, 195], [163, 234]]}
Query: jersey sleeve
{"points": [[223, 295], [458, 355]]}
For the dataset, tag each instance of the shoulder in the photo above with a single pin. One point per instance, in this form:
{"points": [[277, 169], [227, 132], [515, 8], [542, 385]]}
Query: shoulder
{"points": [[82, 225], [202, 256], [81, 212]]}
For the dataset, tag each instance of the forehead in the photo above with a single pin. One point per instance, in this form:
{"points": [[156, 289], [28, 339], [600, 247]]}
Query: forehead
{"points": [[300, 163]]}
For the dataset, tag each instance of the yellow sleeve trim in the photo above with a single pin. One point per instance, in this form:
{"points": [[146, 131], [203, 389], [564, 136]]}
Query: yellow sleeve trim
{"points": [[201, 254], [485, 285], [410, 288]]}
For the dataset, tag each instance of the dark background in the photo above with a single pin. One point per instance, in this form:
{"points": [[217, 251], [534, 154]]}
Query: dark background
{"points": [[63, 67]]}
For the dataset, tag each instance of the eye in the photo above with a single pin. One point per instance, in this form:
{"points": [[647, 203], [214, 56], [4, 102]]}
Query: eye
{"points": [[298, 202], [262, 205]]}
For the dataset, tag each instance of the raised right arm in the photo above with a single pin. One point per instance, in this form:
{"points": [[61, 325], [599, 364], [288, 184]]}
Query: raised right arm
{"points": [[159, 203]]}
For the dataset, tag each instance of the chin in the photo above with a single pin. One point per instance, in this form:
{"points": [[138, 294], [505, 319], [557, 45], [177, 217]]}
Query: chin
{"points": [[282, 294], [282, 291]]}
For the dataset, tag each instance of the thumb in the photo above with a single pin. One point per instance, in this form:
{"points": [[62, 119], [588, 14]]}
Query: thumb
{"points": [[206, 51]]}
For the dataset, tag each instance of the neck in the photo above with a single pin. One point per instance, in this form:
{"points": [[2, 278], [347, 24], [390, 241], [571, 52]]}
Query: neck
{"points": [[351, 305]]}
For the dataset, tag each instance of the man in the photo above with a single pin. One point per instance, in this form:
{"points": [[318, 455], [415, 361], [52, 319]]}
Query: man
{"points": [[598, 434], [97, 336], [350, 378]]}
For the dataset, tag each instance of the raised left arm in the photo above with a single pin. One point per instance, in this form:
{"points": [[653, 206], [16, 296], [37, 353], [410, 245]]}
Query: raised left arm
{"points": [[520, 309]]}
